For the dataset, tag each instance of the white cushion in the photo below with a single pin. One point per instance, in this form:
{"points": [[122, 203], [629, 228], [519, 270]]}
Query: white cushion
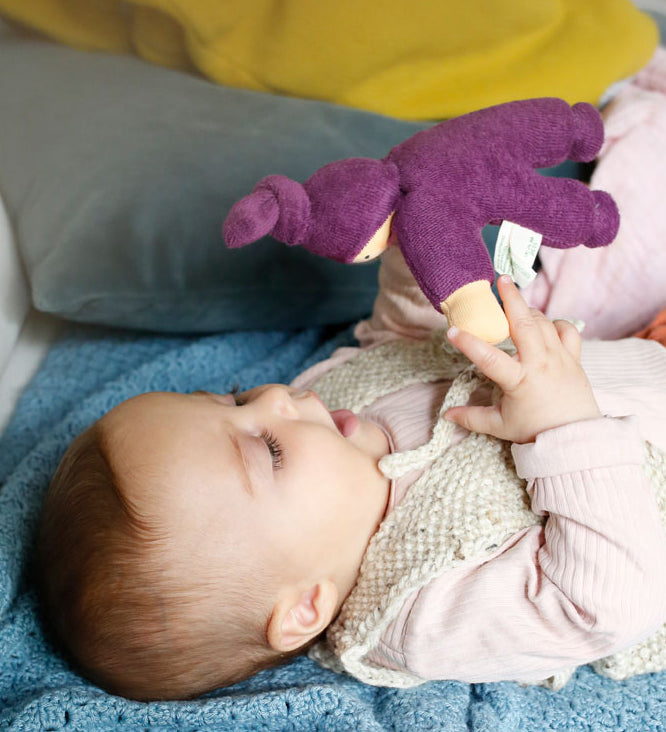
{"points": [[14, 294]]}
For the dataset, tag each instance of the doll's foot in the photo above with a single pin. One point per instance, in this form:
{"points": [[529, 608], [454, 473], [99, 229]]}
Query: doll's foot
{"points": [[474, 308], [589, 132], [606, 220]]}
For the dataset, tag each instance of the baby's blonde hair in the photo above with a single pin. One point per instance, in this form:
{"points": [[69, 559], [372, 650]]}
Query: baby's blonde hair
{"points": [[116, 607]]}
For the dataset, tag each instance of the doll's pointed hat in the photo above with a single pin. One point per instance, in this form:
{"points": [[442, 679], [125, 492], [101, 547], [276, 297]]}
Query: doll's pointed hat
{"points": [[333, 214]]}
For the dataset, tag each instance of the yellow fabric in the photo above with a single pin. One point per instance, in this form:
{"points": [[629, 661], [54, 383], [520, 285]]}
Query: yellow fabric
{"points": [[416, 60]]}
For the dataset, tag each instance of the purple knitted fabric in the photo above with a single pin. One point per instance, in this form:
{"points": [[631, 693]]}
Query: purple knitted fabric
{"points": [[444, 185]]}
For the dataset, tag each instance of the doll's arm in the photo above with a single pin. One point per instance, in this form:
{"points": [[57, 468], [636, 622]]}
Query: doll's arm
{"points": [[474, 308], [401, 308], [442, 245]]}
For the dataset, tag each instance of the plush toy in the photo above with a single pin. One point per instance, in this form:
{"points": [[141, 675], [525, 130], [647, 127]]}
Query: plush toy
{"points": [[433, 194]]}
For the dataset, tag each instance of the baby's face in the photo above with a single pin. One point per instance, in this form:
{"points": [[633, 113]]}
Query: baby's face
{"points": [[270, 473]]}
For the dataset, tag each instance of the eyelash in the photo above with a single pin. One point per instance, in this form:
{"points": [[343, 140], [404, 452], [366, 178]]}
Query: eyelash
{"points": [[274, 448]]}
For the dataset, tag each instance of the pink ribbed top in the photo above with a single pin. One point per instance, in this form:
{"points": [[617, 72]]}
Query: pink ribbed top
{"points": [[589, 582]]}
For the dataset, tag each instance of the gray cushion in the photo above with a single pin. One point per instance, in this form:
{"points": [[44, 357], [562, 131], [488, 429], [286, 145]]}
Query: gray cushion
{"points": [[117, 176]]}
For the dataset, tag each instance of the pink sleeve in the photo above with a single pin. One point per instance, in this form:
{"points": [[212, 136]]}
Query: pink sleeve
{"points": [[401, 309], [583, 586]]}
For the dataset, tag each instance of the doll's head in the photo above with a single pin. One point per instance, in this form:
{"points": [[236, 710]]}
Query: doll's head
{"points": [[334, 213], [188, 541]]}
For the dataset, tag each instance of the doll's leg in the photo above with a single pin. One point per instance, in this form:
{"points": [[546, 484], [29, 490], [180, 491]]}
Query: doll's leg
{"points": [[618, 289], [588, 133], [545, 132], [565, 211]]}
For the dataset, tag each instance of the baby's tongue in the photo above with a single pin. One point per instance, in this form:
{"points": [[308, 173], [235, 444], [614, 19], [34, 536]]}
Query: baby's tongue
{"points": [[346, 421]]}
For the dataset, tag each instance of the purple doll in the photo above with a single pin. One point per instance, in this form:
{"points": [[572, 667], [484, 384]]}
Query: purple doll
{"points": [[433, 194]]}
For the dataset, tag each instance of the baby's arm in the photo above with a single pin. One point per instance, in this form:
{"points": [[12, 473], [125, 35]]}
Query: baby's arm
{"points": [[401, 310], [590, 581], [543, 385], [587, 583]]}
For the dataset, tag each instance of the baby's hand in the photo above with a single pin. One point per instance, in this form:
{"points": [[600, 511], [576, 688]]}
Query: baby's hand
{"points": [[543, 385]]}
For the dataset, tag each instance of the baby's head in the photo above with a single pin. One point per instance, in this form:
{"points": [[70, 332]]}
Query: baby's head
{"points": [[190, 540]]}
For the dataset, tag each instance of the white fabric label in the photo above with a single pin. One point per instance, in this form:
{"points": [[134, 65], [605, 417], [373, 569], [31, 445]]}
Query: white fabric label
{"points": [[515, 252]]}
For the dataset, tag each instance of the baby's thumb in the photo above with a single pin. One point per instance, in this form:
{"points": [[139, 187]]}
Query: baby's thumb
{"points": [[485, 420]]}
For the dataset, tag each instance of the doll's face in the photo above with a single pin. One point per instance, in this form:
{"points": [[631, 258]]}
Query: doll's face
{"points": [[378, 242]]}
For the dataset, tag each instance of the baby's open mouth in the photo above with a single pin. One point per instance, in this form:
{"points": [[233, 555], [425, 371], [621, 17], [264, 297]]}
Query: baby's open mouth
{"points": [[346, 421]]}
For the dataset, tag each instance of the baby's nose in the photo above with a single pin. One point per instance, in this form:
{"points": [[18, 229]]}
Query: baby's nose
{"points": [[281, 400]]}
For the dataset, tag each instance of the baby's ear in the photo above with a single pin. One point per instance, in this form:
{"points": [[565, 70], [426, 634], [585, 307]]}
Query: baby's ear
{"points": [[301, 615]]}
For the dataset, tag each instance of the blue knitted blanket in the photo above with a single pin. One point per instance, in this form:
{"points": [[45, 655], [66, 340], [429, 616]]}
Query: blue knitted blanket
{"points": [[84, 375]]}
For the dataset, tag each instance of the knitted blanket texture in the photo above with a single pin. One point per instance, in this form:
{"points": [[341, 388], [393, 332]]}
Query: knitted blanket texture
{"points": [[85, 374]]}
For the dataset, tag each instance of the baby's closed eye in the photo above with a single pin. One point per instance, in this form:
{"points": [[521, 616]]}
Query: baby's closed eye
{"points": [[274, 448]]}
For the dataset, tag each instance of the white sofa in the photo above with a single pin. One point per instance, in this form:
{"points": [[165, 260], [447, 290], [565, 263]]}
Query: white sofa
{"points": [[25, 334]]}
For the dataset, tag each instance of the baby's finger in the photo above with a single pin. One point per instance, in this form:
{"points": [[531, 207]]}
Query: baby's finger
{"points": [[549, 333], [525, 333], [495, 364], [569, 337], [486, 420]]}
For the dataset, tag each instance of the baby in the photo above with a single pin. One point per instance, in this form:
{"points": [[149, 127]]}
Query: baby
{"points": [[391, 511], [188, 541]]}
